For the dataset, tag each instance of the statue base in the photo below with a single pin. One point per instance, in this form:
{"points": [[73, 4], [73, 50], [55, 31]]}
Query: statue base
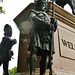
{"points": [[37, 72]]}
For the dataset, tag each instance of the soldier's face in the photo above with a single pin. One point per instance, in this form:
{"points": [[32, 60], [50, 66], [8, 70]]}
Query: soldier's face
{"points": [[42, 6]]}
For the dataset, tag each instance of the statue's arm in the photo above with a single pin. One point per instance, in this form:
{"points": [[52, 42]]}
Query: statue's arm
{"points": [[53, 24], [38, 20]]}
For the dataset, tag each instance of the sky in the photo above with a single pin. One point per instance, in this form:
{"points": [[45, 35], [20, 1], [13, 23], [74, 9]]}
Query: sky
{"points": [[12, 9]]}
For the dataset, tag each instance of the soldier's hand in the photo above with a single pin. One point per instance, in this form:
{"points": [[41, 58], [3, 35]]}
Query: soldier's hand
{"points": [[11, 53], [53, 20], [52, 27], [14, 41]]}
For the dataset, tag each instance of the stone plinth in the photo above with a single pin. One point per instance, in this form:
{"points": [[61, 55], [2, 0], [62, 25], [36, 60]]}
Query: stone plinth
{"points": [[64, 41]]}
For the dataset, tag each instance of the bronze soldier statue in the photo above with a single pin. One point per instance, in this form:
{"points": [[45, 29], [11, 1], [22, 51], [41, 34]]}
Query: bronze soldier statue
{"points": [[40, 36], [5, 48]]}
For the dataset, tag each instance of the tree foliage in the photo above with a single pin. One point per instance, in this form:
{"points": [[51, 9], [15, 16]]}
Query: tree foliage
{"points": [[13, 71]]}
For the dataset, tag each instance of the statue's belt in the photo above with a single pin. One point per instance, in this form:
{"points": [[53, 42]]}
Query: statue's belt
{"points": [[44, 37]]}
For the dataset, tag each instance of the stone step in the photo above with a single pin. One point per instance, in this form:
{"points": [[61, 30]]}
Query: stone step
{"points": [[37, 72]]}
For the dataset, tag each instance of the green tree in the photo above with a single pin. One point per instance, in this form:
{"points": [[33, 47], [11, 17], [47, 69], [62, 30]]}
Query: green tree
{"points": [[13, 71]]}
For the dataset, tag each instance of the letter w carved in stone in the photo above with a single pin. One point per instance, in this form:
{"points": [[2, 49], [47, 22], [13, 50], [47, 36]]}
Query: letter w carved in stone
{"points": [[64, 42]]}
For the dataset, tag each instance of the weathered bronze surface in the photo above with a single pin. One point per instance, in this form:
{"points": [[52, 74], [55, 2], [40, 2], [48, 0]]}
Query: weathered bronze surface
{"points": [[5, 48], [40, 37]]}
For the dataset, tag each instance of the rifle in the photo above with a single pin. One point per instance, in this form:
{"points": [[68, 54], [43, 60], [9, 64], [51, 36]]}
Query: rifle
{"points": [[52, 40]]}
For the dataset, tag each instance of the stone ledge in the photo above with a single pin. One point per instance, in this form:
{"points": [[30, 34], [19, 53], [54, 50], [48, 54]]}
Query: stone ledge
{"points": [[37, 72], [63, 72], [55, 72]]}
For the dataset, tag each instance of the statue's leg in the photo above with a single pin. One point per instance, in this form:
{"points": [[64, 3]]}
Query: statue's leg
{"points": [[1, 59], [50, 65], [33, 60], [5, 68], [43, 63]]}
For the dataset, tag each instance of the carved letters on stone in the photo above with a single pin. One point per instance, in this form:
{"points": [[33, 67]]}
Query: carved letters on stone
{"points": [[67, 42]]}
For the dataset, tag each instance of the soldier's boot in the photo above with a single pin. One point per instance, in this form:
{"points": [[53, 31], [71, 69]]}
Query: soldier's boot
{"points": [[43, 65], [33, 61]]}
